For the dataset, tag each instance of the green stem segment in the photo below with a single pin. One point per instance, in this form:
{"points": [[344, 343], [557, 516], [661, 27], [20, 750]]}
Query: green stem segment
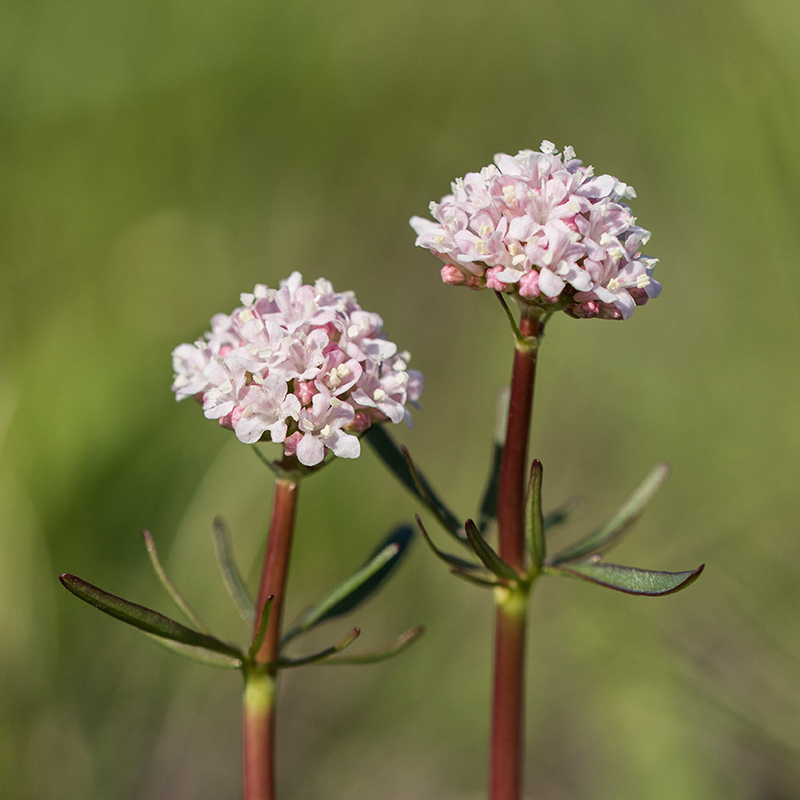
{"points": [[260, 679], [509, 665]]}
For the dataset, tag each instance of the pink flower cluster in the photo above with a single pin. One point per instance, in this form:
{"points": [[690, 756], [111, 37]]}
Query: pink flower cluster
{"points": [[302, 365], [542, 226]]}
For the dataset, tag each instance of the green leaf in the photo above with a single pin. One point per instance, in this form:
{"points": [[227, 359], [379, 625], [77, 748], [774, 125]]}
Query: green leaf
{"points": [[488, 557], [145, 619], [283, 663], [198, 654], [359, 586], [399, 462], [623, 518], [231, 577], [534, 520], [485, 579], [402, 642], [629, 579], [487, 514], [177, 597], [450, 560]]}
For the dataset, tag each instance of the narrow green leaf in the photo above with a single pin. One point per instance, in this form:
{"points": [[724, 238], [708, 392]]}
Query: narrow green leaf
{"points": [[402, 642], [487, 555], [487, 515], [443, 514], [623, 518], [561, 515], [263, 623], [514, 327], [393, 457], [629, 579], [359, 586], [231, 577], [177, 597], [452, 561], [485, 579], [145, 619], [534, 520], [198, 654], [283, 663]]}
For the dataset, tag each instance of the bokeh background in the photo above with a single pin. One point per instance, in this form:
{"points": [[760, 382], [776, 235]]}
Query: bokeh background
{"points": [[159, 158]]}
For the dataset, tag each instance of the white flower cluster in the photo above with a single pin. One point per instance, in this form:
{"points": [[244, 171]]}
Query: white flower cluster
{"points": [[302, 365], [542, 226]]}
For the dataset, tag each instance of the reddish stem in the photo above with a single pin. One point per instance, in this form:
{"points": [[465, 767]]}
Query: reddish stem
{"points": [[511, 496], [259, 695], [508, 702], [509, 665], [276, 565]]}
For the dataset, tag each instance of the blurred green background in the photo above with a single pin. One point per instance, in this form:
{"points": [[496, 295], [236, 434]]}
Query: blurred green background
{"points": [[159, 158]]}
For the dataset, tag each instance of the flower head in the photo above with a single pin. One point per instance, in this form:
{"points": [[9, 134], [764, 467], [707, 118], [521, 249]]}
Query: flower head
{"points": [[546, 229], [300, 364]]}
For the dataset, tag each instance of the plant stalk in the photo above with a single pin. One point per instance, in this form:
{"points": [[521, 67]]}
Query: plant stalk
{"points": [[508, 702], [260, 679]]}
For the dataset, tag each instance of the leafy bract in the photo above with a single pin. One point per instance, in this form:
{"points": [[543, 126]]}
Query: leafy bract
{"points": [[490, 559], [145, 619], [372, 657], [231, 577], [534, 519], [283, 663], [629, 579], [177, 598]]}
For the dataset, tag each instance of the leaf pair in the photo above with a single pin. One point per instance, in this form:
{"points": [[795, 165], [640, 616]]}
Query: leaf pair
{"points": [[581, 559], [202, 645]]}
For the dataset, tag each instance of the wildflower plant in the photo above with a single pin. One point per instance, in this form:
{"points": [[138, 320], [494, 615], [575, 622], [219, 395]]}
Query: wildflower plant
{"points": [[543, 230], [306, 368]]}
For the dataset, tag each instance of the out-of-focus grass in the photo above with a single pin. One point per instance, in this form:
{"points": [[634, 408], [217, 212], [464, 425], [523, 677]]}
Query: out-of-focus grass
{"points": [[156, 159]]}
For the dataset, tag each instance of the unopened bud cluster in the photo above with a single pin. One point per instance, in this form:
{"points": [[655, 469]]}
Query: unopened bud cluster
{"points": [[543, 227], [302, 365]]}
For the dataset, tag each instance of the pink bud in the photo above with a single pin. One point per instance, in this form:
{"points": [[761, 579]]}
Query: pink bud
{"points": [[305, 390], [453, 275], [361, 423], [493, 283], [290, 443], [529, 284]]}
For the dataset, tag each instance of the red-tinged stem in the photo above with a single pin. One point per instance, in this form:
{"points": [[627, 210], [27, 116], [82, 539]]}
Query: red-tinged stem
{"points": [[509, 666], [276, 565], [513, 467], [258, 745], [509, 699], [260, 679]]}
